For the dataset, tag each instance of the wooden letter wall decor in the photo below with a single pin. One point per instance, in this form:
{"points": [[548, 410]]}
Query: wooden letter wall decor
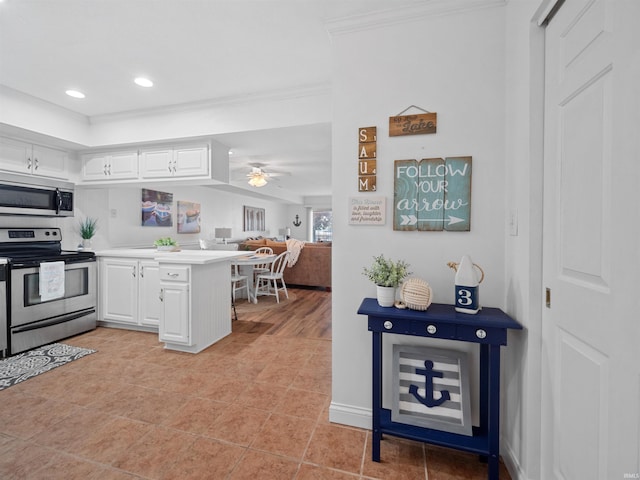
{"points": [[432, 194], [367, 137]]}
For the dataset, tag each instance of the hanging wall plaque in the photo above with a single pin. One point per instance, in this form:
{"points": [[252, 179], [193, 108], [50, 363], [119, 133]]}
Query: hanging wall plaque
{"points": [[417, 124], [432, 194]]}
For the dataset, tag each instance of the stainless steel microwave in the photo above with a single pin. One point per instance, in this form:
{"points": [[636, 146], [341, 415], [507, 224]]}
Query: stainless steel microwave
{"points": [[24, 195]]}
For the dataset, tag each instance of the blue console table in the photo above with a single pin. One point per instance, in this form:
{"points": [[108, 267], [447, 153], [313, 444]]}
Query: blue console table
{"points": [[488, 328]]}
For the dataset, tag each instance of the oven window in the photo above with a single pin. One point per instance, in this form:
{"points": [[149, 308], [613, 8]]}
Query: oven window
{"points": [[76, 283]]}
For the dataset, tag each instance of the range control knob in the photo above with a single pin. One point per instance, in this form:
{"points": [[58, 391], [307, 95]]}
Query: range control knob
{"points": [[388, 325], [480, 333], [431, 329]]}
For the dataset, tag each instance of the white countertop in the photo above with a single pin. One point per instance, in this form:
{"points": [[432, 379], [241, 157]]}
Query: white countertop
{"points": [[194, 257]]}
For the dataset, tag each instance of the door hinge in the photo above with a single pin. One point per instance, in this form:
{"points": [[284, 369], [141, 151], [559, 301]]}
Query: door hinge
{"points": [[548, 297]]}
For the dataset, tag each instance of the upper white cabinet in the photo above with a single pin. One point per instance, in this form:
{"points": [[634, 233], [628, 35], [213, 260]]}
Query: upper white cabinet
{"points": [[30, 159], [110, 166], [191, 161]]}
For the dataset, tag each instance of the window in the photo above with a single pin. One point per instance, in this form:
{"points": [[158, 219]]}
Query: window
{"points": [[322, 226]]}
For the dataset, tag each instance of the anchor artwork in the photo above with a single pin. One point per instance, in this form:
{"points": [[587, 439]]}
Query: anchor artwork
{"points": [[431, 388], [428, 399]]}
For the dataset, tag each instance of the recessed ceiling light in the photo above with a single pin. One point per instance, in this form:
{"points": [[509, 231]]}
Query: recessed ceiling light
{"points": [[75, 93], [143, 82]]}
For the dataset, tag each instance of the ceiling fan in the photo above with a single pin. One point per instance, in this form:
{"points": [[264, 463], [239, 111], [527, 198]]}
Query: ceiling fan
{"points": [[258, 177]]}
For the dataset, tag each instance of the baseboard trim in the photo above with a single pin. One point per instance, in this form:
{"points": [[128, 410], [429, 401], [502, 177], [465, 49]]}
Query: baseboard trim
{"points": [[350, 415], [511, 462]]}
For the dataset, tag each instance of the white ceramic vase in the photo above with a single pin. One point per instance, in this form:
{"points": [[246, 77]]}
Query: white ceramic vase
{"points": [[386, 296], [86, 244]]}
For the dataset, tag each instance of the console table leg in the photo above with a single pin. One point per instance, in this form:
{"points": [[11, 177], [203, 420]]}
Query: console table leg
{"points": [[377, 396], [493, 473]]}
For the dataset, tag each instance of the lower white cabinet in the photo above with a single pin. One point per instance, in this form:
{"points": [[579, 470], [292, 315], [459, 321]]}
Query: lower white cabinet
{"points": [[130, 291], [196, 304], [175, 324]]}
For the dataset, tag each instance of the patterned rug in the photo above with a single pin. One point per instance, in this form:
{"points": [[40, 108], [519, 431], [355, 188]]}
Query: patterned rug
{"points": [[22, 367]]}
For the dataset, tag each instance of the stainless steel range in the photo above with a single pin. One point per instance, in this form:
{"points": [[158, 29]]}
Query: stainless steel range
{"points": [[51, 293]]}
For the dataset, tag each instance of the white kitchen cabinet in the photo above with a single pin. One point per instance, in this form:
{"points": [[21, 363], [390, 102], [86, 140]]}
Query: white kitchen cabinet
{"points": [[175, 324], [110, 166], [196, 303], [130, 291], [188, 161], [26, 158], [149, 293]]}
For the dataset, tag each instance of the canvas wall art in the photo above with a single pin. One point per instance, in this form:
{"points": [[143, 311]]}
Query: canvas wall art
{"points": [[188, 217], [157, 208]]}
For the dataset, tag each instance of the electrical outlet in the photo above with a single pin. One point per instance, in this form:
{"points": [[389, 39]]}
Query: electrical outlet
{"points": [[113, 213]]}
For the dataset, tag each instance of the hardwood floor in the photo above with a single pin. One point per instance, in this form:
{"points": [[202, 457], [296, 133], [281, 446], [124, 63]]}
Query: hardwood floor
{"points": [[305, 314]]}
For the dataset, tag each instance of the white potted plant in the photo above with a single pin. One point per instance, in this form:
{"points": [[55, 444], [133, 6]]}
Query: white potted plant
{"points": [[166, 244], [88, 228], [387, 275]]}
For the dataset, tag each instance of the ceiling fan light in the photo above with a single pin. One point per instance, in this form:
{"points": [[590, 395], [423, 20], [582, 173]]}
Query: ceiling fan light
{"points": [[257, 181], [143, 82]]}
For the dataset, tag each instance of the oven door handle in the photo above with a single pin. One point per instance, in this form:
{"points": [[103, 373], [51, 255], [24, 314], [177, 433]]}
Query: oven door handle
{"points": [[53, 321], [68, 261]]}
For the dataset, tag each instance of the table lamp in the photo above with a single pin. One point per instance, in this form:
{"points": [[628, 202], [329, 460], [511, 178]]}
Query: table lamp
{"points": [[223, 233]]}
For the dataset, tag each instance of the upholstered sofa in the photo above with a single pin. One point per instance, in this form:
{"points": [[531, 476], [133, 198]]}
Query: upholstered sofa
{"points": [[313, 267]]}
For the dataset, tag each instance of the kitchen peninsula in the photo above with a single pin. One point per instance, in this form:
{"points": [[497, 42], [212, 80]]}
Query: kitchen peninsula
{"points": [[184, 295]]}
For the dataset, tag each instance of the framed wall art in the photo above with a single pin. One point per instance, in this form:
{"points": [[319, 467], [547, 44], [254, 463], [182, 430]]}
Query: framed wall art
{"points": [[188, 217], [431, 388], [157, 208], [253, 220]]}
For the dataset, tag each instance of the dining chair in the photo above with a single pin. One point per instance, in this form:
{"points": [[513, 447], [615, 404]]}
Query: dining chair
{"points": [[238, 283], [262, 267], [267, 283]]}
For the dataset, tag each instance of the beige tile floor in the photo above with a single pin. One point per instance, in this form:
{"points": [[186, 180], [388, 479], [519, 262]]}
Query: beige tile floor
{"points": [[253, 406]]}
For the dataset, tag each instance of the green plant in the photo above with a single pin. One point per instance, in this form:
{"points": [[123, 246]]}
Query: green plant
{"points": [[88, 228], [385, 272], [165, 242]]}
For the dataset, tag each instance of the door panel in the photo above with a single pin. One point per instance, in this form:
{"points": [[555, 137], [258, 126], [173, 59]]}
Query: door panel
{"points": [[591, 263]]}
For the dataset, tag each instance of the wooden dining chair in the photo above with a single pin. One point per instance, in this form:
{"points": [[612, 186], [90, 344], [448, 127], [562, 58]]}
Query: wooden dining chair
{"points": [[267, 283]]}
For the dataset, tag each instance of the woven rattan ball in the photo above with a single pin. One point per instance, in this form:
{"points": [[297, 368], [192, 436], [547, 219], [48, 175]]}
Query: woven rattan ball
{"points": [[416, 294]]}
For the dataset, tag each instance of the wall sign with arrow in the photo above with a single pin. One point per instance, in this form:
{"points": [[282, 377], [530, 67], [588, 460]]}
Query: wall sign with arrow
{"points": [[432, 194]]}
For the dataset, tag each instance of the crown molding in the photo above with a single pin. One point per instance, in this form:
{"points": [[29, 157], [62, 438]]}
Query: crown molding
{"points": [[394, 16], [270, 95]]}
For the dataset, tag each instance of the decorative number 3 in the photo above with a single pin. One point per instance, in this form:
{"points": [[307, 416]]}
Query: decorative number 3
{"points": [[464, 297]]}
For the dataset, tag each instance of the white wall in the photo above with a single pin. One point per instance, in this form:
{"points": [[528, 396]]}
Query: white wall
{"points": [[120, 216], [521, 419], [450, 64]]}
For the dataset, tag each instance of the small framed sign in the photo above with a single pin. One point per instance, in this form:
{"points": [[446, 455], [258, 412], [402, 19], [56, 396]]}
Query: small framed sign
{"points": [[367, 210], [431, 389]]}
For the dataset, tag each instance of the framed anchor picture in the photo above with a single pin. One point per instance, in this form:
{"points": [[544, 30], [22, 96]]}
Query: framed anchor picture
{"points": [[431, 388]]}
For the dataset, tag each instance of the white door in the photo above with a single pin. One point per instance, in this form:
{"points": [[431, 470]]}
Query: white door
{"points": [[591, 260]]}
